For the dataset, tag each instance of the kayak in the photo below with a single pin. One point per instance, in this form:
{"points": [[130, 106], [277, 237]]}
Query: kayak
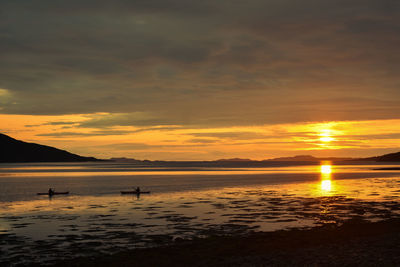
{"points": [[135, 192], [55, 193]]}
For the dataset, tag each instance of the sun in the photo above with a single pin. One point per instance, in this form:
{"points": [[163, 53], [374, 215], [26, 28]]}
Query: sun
{"points": [[326, 139], [326, 136]]}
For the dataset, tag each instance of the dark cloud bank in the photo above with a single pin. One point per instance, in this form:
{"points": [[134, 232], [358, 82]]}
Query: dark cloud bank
{"points": [[218, 63]]}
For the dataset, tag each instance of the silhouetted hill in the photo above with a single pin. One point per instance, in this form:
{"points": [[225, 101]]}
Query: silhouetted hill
{"points": [[244, 163], [392, 157], [296, 158], [304, 158], [230, 163], [234, 160], [12, 150], [126, 160]]}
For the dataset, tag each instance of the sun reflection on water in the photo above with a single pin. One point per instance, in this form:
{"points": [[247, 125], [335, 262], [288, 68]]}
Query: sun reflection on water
{"points": [[326, 177], [326, 185]]}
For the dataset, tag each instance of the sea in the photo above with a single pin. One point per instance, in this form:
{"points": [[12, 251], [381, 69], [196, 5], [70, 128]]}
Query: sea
{"points": [[184, 203]]}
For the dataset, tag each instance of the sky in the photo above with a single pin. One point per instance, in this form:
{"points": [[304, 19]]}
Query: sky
{"points": [[202, 80]]}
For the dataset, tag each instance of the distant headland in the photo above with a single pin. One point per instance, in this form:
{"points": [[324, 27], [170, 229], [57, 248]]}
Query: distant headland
{"points": [[13, 150]]}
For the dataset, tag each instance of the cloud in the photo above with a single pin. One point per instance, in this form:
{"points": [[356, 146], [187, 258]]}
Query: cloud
{"points": [[61, 123], [5, 96], [147, 147], [372, 136], [120, 119], [201, 64], [4, 93], [232, 135], [80, 134], [202, 141], [54, 123]]}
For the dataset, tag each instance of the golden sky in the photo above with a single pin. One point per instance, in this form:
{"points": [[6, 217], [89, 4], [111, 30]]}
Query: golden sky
{"points": [[339, 138]]}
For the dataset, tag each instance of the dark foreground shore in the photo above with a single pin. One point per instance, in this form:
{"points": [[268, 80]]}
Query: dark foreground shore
{"points": [[353, 243]]}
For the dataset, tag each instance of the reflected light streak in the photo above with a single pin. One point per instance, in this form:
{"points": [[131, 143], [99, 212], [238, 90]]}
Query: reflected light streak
{"points": [[326, 185], [326, 173]]}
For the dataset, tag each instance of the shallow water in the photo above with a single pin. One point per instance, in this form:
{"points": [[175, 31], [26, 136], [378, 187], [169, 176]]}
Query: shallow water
{"points": [[22, 181], [95, 218]]}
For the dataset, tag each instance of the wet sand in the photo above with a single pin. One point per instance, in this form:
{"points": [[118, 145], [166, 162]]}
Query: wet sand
{"points": [[356, 242]]}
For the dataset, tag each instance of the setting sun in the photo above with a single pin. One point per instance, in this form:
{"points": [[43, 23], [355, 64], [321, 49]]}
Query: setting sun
{"points": [[326, 169], [326, 135], [326, 139]]}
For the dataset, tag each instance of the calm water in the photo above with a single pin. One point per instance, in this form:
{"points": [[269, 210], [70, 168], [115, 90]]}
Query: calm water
{"points": [[184, 203], [21, 182]]}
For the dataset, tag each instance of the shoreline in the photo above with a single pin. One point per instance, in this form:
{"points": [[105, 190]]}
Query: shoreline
{"points": [[356, 242]]}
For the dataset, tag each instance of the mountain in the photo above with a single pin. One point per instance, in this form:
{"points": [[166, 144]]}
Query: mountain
{"points": [[234, 160], [13, 150], [295, 158], [242, 162], [304, 158], [392, 157], [126, 160]]}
